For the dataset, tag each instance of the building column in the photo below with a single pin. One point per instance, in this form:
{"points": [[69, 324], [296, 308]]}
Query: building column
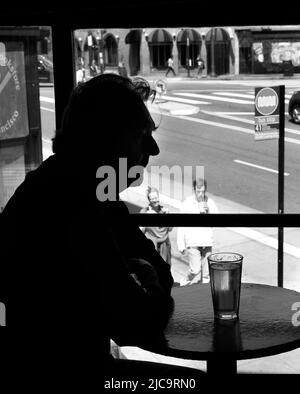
{"points": [[175, 53], [203, 54], [144, 55], [233, 52]]}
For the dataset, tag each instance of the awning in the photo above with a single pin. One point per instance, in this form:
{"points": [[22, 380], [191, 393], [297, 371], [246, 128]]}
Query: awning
{"points": [[220, 35], [192, 34], [133, 36], [160, 36]]}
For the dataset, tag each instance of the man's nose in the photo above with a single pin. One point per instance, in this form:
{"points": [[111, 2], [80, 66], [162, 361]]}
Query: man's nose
{"points": [[153, 148]]}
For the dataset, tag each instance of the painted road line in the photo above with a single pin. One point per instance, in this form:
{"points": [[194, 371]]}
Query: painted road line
{"points": [[215, 98], [266, 240], [230, 94], [230, 113], [47, 99], [182, 100], [47, 109], [246, 163], [226, 115], [248, 95]]}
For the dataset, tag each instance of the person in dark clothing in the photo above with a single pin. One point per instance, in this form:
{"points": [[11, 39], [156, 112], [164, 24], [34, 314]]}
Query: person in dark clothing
{"points": [[75, 271], [158, 235]]}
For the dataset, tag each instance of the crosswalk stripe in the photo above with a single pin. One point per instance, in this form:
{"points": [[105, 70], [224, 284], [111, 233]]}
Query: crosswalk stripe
{"points": [[227, 97], [47, 109], [182, 100], [211, 97], [47, 99], [248, 96]]}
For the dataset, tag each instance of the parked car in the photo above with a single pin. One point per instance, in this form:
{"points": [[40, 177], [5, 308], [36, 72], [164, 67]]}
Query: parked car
{"points": [[294, 107]]}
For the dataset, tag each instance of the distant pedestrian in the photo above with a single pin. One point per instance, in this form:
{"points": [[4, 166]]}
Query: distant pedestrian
{"points": [[80, 74], [158, 235], [197, 242], [122, 69], [201, 65], [170, 64], [94, 70]]}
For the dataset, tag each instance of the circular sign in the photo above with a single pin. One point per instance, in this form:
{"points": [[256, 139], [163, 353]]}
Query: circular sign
{"points": [[266, 101], [160, 87]]}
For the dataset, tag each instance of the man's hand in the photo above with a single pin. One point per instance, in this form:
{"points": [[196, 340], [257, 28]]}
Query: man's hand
{"points": [[144, 274]]}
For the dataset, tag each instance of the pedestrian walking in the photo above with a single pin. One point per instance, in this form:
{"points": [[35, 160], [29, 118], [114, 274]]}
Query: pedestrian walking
{"points": [[201, 65], [94, 70], [197, 242], [158, 235], [170, 64], [122, 68]]}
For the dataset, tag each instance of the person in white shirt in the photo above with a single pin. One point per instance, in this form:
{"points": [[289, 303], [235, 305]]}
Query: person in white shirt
{"points": [[197, 242], [170, 66]]}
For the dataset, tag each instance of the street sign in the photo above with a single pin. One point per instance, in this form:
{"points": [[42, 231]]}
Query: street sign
{"points": [[267, 113]]}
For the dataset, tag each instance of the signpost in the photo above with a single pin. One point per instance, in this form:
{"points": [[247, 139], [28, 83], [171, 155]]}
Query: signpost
{"points": [[267, 113], [269, 124]]}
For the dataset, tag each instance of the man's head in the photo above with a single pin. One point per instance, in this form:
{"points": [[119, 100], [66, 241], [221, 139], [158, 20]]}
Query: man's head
{"points": [[200, 187], [106, 119], [153, 197]]}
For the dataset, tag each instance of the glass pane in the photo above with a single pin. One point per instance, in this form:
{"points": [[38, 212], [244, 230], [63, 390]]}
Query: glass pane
{"points": [[27, 104], [206, 115]]}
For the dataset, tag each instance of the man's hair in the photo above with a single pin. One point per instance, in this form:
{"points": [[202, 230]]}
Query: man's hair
{"points": [[199, 182], [100, 110], [151, 189]]}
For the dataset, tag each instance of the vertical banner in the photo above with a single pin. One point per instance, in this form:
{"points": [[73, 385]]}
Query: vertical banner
{"points": [[13, 99]]}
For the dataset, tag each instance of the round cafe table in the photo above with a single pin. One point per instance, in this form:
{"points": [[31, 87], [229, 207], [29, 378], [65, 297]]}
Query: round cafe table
{"points": [[267, 325]]}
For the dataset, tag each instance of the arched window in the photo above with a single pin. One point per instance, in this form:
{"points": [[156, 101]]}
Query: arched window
{"points": [[217, 46], [160, 46], [189, 46], [133, 38], [110, 50]]}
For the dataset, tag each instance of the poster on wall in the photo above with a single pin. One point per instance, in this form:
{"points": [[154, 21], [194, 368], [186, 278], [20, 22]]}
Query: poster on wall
{"points": [[13, 99]]}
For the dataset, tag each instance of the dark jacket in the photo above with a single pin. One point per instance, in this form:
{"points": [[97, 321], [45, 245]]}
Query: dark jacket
{"points": [[65, 271]]}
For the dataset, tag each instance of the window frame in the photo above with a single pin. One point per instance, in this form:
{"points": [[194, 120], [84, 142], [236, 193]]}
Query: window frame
{"points": [[64, 21]]}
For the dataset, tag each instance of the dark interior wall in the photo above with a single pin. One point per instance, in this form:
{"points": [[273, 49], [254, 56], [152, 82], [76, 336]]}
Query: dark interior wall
{"points": [[135, 13]]}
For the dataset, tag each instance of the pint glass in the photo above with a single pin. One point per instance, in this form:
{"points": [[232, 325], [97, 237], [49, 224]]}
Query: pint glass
{"points": [[225, 270]]}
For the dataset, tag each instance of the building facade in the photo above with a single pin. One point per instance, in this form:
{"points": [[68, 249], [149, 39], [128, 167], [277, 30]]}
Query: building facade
{"points": [[225, 50]]}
